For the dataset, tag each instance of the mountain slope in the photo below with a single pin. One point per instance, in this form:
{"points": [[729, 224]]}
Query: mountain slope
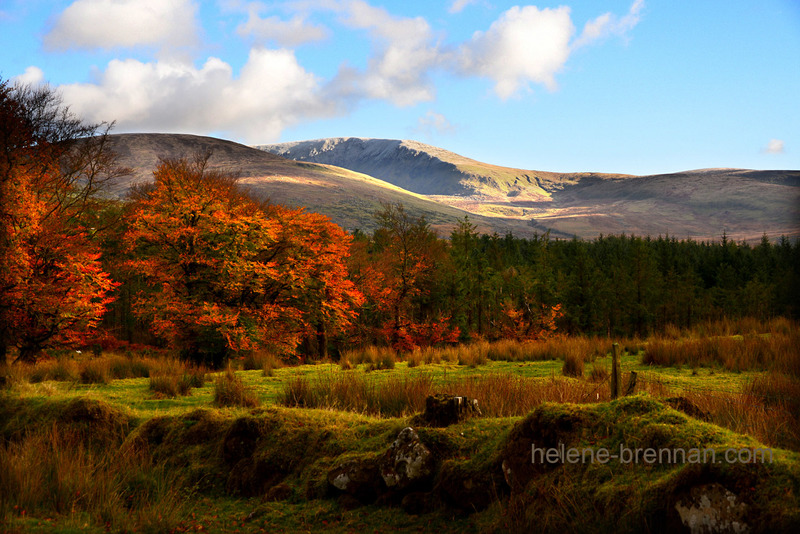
{"points": [[699, 204], [348, 198], [427, 169]]}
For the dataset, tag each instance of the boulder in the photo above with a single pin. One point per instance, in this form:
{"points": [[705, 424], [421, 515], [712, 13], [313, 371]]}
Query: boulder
{"points": [[711, 509], [407, 463], [468, 489], [357, 477]]}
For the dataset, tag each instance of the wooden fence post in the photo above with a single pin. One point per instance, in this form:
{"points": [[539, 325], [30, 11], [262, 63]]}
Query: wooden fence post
{"points": [[631, 387], [615, 371]]}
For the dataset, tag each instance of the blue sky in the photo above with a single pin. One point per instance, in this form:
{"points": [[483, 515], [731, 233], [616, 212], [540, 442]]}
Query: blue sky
{"points": [[628, 86]]}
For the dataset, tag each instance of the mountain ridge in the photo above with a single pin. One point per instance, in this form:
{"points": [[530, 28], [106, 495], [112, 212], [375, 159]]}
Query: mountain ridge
{"points": [[700, 204]]}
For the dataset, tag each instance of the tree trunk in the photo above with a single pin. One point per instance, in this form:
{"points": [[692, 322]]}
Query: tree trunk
{"points": [[322, 341]]}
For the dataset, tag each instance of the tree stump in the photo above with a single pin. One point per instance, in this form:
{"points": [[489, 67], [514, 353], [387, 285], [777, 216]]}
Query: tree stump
{"points": [[445, 410]]}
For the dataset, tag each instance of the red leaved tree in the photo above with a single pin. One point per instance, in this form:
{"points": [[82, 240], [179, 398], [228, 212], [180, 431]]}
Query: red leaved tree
{"points": [[395, 271], [53, 290], [226, 273]]}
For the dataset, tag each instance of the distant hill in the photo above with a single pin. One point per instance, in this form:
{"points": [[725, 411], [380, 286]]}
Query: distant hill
{"points": [[699, 204], [348, 198], [426, 169]]}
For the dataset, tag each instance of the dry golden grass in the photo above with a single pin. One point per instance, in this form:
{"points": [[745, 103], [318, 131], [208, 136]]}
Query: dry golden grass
{"points": [[55, 471], [264, 360], [599, 372], [573, 365], [479, 353], [229, 390], [375, 357], [751, 352], [499, 395]]}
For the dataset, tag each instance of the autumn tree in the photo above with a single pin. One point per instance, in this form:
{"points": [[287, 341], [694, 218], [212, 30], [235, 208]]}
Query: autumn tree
{"points": [[52, 287], [396, 269], [226, 273]]}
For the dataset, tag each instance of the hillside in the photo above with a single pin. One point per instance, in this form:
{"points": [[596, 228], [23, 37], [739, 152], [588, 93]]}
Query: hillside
{"points": [[427, 169], [348, 198], [700, 204]]}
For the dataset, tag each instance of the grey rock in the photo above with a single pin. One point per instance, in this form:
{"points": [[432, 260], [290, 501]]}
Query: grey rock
{"points": [[712, 509], [407, 462]]}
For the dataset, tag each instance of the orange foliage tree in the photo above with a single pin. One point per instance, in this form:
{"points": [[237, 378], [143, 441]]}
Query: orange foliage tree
{"points": [[395, 269], [228, 274], [53, 290]]}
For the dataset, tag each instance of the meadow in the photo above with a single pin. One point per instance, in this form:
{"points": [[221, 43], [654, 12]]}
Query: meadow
{"points": [[132, 442]]}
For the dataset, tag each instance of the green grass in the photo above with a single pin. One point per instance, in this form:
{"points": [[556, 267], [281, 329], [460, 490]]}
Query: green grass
{"points": [[183, 481], [134, 394], [49, 438]]}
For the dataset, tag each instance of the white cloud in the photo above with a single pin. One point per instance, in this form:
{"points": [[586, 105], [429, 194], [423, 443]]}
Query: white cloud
{"points": [[528, 45], [124, 23], [434, 123], [292, 32], [608, 24], [32, 76], [775, 146], [271, 93], [524, 45], [458, 5], [405, 52]]}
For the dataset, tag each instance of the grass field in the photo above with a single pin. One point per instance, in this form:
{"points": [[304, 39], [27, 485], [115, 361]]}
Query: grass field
{"points": [[134, 443]]}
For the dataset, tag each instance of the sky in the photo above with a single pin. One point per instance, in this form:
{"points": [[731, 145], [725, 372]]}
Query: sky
{"points": [[623, 86]]}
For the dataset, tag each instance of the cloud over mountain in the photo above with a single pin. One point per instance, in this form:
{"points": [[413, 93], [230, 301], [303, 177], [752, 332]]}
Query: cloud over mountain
{"points": [[274, 89], [524, 45], [271, 92]]}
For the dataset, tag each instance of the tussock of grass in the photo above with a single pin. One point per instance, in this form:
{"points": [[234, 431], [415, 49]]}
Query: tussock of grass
{"points": [[229, 390], [170, 377], [414, 358], [174, 385], [573, 365], [263, 360], [599, 372], [473, 355], [121, 367], [61, 369], [95, 371], [376, 358]]}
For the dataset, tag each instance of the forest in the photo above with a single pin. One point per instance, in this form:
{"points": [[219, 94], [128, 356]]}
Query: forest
{"points": [[193, 263]]}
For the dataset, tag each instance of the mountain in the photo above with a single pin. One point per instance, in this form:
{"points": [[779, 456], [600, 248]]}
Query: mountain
{"points": [[426, 169], [348, 198], [701, 204]]}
